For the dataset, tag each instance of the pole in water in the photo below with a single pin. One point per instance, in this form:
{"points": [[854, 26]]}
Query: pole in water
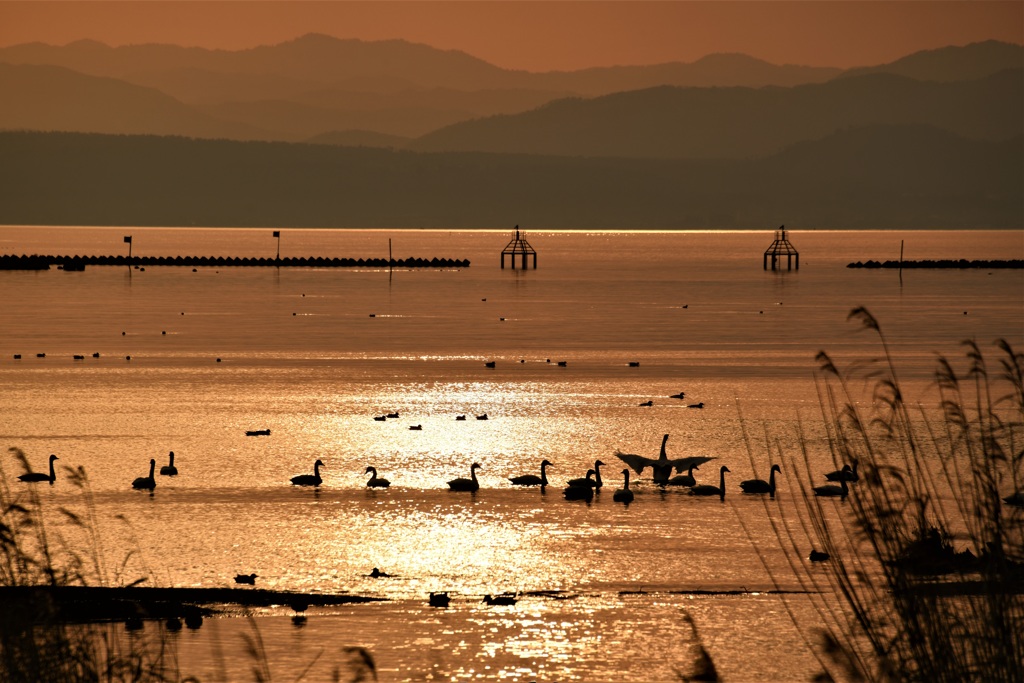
{"points": [[128, 241], [901, 261], [277, 234], [391, 261]]}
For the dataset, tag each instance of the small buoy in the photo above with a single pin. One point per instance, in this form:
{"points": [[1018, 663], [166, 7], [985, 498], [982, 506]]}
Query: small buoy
{"points": [[122, 333], [218, 360], [294, 313], [183, 312], [303, 295], [127, 357], [194, 270], [965, 312], [522, 360], [163, 332]]}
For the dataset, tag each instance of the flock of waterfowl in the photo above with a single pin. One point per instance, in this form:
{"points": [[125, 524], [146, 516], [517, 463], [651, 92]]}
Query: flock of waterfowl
{"points": [[580, 488]]}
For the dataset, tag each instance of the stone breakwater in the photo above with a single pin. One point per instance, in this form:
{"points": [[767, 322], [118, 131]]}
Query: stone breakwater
{"points": [[43, 262], [941, 263]]}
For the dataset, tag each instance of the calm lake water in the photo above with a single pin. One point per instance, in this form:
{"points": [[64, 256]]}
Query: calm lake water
{"points": [[315, 354]]}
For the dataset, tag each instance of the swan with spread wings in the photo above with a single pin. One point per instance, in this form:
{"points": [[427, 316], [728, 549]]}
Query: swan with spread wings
{"points": [[662, 465]]}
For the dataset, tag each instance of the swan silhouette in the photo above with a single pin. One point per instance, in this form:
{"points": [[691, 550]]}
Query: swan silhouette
{"points": [[146, 483], [709, 490], [169, 469], [623, 495], [661, 465], [31, 477], [760, 485], [579, 491], [463, 484], [533, 479], [310, 479], [374, 481], [845, 474], [833, 491], [684, 479], [595, 483]]}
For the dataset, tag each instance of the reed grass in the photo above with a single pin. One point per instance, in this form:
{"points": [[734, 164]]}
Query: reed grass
{"points": [[38, 644], [926, 576]]}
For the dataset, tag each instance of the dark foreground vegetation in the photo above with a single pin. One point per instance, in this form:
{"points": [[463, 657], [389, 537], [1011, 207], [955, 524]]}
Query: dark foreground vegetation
{"points": [[927, 555]]}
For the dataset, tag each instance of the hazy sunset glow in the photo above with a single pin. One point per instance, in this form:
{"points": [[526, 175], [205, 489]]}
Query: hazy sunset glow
{"points": [[540, 36]]}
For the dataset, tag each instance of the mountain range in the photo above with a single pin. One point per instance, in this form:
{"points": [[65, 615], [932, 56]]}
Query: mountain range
{"points": [[711, 124]]}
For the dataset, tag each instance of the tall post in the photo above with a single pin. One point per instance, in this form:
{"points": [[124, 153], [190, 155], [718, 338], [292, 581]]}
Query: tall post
{"points": [[128, 241], [277, 234]]}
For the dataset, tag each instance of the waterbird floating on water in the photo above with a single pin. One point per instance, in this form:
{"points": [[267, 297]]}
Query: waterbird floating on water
{"points": [[374, 481], [760, 485], [580, 491], [439, 599], [249, 579], [684, 479], [595, 483], [845, 474], [817, 556], [623, 495], [533, 479], [463, 484], [31, 477], [146, 483], [661, 465], [169, 470], [709, 490], [378, 574], [309, 479], [833, 491]]}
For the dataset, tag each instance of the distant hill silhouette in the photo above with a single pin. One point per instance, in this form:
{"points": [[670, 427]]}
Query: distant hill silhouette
{"points": [[868, 177], [966, 63], [317, 84], [50, 98], [714, 123]]}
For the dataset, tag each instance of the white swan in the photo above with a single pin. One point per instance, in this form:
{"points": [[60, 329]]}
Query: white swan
{"points": [[310, 479], [760, 485], [170, 469], [31, 477], [623, 495], [374, 481], [533, 479], [147, 483], [709, 490], [463, 484]]}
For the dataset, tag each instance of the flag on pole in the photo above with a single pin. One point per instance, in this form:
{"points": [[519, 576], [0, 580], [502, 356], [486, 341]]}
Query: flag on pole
{"points": [[277, 233], [127, 239]]}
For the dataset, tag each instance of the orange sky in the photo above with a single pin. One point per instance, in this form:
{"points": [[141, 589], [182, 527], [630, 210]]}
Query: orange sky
{"points": [[541, 35]]}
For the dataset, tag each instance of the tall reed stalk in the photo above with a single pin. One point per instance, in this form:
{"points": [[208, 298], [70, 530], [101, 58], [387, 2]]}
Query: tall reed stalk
{"points": [[927, 560]]}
